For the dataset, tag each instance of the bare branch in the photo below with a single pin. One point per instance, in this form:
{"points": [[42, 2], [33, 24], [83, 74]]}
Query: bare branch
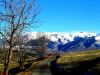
{"points": [[16, 16]]}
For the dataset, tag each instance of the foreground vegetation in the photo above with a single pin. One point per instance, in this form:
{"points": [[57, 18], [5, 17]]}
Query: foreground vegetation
{"points": [[68, 63], [74, 57], [80, 62], [29, 65]]}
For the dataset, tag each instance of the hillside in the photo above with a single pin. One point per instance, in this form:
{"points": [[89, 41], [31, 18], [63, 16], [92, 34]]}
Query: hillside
{"points": [[80, 63], [71, 57]]}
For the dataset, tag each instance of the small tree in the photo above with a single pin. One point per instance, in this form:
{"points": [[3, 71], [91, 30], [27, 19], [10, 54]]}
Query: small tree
{"points": [[21, 51], [39, 43], [15, 17], [43, 42]]}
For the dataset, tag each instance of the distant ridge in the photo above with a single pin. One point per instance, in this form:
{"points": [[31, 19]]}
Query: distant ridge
{"points": [[70, 41]]}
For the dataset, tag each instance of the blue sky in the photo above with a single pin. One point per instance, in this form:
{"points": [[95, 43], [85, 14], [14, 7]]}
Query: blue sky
{"points": [[69, 15]]}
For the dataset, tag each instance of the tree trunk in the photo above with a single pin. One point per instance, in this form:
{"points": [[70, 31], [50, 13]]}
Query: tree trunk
{"points": [[21, 63], [7, 64]]}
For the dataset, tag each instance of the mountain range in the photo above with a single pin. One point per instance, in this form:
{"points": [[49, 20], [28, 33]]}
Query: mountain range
{"points": [[70, 41]]}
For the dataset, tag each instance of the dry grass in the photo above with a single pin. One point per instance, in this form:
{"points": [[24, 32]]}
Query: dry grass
{"points": [[69, 58]]}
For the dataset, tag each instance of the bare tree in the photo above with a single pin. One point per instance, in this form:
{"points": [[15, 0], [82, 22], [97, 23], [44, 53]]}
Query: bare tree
{"points": [[43, 42], [21, 51], [15, 17]]}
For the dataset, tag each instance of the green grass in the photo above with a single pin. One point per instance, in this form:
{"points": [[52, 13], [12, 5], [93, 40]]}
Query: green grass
{"points": [[13, 65], [1, 67], [75, 57]]}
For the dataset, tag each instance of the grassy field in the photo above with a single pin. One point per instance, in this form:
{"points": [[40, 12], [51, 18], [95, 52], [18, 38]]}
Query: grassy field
{"points": [[70, 60], [13, 65]]}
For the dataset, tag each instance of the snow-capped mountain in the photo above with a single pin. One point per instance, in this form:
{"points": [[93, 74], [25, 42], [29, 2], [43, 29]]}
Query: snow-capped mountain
{"points": [[55, 35], [65, 37], [70, 41]]}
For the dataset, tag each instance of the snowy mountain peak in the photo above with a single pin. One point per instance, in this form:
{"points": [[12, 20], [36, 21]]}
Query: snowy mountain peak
{"points": [[65, 37], [54, 36]]}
